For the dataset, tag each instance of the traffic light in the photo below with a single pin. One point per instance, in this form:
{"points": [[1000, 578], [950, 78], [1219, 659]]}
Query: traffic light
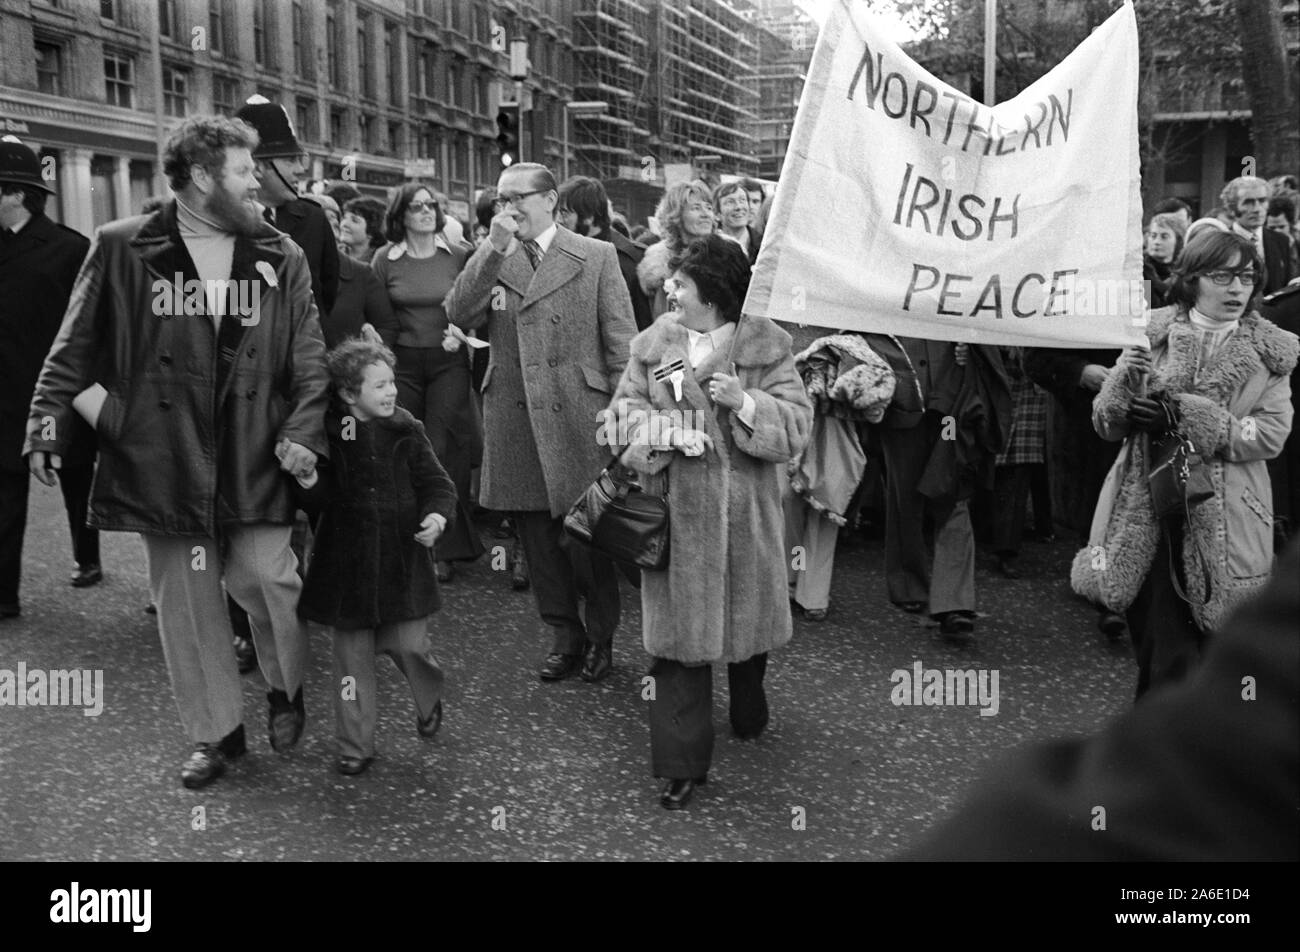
{"points": [[508, 133]]}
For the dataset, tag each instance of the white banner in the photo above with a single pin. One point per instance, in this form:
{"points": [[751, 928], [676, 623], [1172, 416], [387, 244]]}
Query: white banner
{"points": [[905, 207]]}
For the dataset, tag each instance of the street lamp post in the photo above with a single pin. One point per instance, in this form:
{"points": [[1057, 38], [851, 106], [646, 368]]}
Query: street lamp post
{"points": [[589, 108]]}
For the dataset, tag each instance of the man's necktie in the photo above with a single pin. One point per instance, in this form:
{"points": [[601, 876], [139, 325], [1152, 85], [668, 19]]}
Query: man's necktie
{"points": [[534, 252]]}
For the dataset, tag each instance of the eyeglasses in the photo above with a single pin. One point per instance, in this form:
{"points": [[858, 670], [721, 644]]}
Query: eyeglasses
{"points": [[514, 198], [1224, 278], [735, 201], [422, 207]]}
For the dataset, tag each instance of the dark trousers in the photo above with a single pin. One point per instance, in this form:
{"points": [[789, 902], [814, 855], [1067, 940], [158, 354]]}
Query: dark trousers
{"points": [[563, 573], [434, 386], [681, 714], [1166, 641], [1012, 489], [74, 483], [929, 545]]}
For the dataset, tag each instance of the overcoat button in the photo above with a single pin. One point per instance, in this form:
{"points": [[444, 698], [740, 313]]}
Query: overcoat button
{"points": [[552, 362], [165, 360], [251, 394], [555, 407], [252, 352], [164, 405], [555, 318], [520, 404]]}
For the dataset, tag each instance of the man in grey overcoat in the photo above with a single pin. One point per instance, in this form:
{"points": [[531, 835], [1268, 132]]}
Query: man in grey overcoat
{"points": [[559, 321]]}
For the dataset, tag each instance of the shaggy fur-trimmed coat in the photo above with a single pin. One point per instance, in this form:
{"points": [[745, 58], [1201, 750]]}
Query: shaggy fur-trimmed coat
{"points": [[654, 268], [367, 569], [1238, 416], [723, 595]]}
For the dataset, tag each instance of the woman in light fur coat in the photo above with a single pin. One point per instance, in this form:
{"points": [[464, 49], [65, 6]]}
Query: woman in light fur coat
{"points": [[709, 410], [683, 214], [1224, 370]]}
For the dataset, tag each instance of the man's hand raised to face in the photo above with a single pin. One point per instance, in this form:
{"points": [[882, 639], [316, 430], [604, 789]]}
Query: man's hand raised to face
{"points": [[504, 227]]}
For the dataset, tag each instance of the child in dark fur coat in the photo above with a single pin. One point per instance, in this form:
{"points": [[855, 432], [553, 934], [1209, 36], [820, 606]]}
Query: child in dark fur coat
{"points": [[383, 501]]}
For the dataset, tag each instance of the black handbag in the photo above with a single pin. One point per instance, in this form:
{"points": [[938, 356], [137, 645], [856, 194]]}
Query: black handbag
{"points": [[1178, 477], [620, 520]]}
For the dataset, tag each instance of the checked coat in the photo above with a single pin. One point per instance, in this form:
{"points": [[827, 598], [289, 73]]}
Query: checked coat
{"points": [[559, 342]]}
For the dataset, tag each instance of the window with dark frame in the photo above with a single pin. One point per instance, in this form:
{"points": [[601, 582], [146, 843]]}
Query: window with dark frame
{"points": [[336, 129], [393, 62], [363, 56], [176, 86], [167, 18], [106, 9], [306, 120], [119, 79], [225, 94], [395, 143], [332, 46], [366, 131], [49, 68]]}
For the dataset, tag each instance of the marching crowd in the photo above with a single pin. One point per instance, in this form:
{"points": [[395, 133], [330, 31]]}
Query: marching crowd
{"points": [[315, 435]]}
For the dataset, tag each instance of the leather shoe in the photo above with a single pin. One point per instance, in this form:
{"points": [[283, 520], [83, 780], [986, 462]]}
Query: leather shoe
{"points": [[597, 663], [427, 729], [816, 614], [10, 611], [151, 609], [351, 766], [1113, 624], [958, 627], [207, 762], [558, 666], [86, 576], [518, 568], [245, 654], [285, 719], [444, 571], [677, 793], [204, 765], [912, 608]]}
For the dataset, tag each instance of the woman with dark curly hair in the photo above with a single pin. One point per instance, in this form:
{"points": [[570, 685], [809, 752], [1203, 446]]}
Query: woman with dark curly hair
{"points": [[418, 267], [361, 229], [715, 428]]}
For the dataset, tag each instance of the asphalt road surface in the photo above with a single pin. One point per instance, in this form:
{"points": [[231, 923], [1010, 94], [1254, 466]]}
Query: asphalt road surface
{"points": [[527, 770]]}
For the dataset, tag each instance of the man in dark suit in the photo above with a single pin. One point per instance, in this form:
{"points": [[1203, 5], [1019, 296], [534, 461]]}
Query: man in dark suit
{"points": [[279, 160], [1246, 199], [39, 261], [584, 210], [559, 319]]}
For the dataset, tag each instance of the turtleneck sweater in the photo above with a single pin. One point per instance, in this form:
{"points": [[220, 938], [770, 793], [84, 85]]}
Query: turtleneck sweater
{"points": [[1210, 335], [212, 249]]}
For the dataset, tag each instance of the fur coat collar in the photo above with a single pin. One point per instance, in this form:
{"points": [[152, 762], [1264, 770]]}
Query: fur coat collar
{"points": [[654, 268]]}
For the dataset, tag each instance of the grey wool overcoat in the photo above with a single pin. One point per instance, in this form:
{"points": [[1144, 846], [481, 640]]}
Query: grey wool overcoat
{"points": [[723, 595], [559, 342]]}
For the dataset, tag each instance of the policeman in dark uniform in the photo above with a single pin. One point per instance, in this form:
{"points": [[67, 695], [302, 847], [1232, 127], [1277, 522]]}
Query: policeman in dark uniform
{"points": [[280, 161], [39, 260]]}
